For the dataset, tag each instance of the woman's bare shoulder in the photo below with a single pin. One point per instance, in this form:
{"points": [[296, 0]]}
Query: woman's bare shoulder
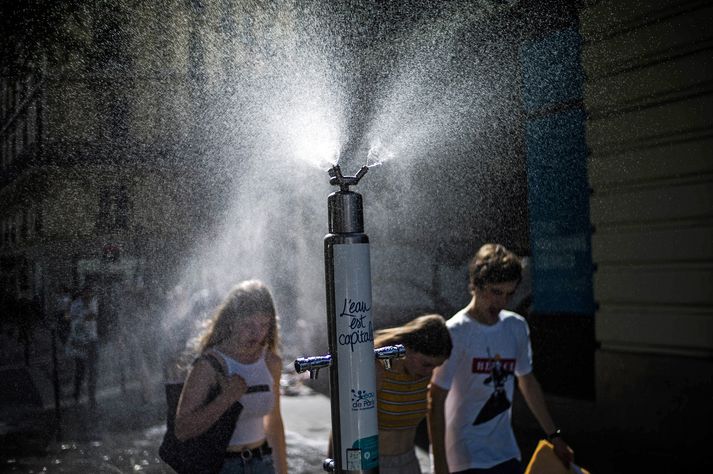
{"points": [[204, 366]]}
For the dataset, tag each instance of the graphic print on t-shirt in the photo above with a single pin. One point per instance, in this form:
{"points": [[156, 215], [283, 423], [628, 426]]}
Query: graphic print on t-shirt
{"points": [[499, 370]]}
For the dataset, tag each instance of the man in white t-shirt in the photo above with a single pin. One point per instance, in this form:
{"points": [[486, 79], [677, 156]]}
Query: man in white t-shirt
{"points": [[471, 393]]}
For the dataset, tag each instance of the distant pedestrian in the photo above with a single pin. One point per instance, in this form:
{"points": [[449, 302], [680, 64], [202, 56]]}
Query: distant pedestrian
{"points": [[136, 336], [83, 343], [402, 389], [471, 393], [30, 314], [62, 315], [242, 335]]}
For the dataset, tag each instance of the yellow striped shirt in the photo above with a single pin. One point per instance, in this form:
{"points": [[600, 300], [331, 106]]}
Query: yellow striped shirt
{"points": [[401, 401]]}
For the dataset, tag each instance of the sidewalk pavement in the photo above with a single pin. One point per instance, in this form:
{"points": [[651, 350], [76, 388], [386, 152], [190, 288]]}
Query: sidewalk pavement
{"points": [[124, 433], [307, 419]]}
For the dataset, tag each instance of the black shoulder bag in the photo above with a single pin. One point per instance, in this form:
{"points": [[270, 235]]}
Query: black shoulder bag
{"points": [[205, 453]]}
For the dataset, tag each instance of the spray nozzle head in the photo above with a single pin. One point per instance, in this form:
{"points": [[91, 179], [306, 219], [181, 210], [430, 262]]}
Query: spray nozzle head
{"points": [[337, 179]]}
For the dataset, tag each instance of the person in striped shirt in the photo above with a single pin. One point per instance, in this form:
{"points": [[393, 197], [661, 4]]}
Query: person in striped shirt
{"points": [[401, 390]]}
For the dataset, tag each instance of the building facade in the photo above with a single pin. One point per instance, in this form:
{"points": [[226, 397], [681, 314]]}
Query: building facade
{"points": [[96, 142], [649, 99]]}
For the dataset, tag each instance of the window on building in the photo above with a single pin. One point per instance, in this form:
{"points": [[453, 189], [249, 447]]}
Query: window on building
{"points": [[6, 151], [24, 274], [18, 94], [38, 221], [23, 128], [104, 210], [32, 123], [227, 18], [13, 234], [196, 58], [10, 106], [21, 134], [247, 31], [13, 145], [114, 207], [121, 220], [23, 225], [3, 97]]}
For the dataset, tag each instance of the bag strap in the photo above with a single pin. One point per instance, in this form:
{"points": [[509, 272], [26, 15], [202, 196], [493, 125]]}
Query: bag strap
{"points": [[214, 362]]}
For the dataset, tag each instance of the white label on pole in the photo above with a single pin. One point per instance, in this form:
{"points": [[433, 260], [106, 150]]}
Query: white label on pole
{"points": [[353, 459], [355, 349]]}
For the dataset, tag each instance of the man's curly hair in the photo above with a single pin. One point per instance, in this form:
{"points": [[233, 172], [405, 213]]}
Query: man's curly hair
{"points": [[493, 263]]}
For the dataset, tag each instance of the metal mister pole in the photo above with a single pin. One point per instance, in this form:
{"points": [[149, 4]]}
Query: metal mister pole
{"points": [[355, 429], [352, 377]]}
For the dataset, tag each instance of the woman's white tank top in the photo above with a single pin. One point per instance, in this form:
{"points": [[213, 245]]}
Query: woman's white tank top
{"points": [[256, 403]]}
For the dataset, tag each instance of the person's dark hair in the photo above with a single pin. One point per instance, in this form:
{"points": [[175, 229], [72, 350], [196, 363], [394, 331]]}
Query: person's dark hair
{"points": [[426, 334], [493, 263], [244, 300]]}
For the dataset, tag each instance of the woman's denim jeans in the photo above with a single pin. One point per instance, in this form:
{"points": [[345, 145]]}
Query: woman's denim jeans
{"points": [[257, 465]]}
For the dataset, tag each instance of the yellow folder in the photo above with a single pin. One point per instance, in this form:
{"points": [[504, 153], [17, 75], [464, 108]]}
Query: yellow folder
{"points": [[545, 461]]}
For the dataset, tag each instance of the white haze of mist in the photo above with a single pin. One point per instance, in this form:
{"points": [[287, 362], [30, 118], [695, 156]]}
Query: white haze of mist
{"points": [[286, 125], [423, 96], [427, 92], [284, 131]]}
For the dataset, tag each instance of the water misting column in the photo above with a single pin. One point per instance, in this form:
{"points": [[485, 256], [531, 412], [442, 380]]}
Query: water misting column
{"points": [[352, 377]]}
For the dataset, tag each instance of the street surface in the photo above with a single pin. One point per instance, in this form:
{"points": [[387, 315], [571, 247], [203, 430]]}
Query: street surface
{"points": [[124, 434]]}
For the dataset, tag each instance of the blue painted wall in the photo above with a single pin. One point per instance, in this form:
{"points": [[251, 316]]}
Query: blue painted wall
{"points": [[558, 192]]}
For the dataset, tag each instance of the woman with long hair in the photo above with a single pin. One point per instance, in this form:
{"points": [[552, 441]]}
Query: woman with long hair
{"points": [[243, 336], [401, 390]]}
